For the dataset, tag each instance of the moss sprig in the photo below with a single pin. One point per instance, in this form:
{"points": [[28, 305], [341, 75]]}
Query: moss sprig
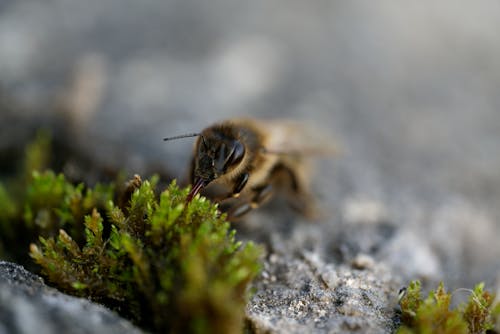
{"points": [[434, 315]]}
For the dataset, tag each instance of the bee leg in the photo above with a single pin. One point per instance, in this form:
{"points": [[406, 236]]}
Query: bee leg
{"points": [[239, 211], [299, 198], [240, 184], [260, 196]]}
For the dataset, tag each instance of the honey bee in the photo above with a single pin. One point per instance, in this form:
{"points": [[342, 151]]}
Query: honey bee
{"points": [[249, 160]]}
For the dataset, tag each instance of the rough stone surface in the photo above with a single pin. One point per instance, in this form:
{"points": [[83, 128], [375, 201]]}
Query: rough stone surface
{"points": [[410, 94], [304, 294], [27, 305]]}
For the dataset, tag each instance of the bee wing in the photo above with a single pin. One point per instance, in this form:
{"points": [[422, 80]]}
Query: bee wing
{"points": [[297, 138]]}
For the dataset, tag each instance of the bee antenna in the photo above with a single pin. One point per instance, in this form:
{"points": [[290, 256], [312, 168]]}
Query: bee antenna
{"points": [[184, 136]]}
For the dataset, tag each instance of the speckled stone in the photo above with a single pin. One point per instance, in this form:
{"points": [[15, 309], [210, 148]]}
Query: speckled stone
{"points": [[27, 306]]}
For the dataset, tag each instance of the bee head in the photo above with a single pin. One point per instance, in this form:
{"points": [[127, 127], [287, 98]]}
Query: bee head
{"points": [[218, 152]]}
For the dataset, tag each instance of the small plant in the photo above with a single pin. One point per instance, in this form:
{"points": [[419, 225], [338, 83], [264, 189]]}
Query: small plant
{"points": [[433, 314], [166, 265], [15, 190]]}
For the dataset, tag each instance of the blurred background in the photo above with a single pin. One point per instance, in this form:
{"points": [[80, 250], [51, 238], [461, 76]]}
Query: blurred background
{"points": [[410, 91]]}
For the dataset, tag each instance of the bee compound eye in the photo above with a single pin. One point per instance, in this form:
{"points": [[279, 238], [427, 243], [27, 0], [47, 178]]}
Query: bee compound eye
{"points": [[228, 155], [220, 158], [237, 153]]}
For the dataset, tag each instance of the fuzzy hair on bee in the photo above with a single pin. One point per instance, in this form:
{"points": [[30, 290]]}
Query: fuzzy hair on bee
{"points": [[248, 160]]}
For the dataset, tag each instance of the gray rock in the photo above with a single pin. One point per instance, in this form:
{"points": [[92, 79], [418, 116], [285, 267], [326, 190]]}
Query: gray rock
{"points": [[27, 305], [305, 295]]}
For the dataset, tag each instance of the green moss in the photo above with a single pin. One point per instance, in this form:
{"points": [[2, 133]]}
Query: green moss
{"points": [[166, 265], [433, 314], [16, 234], [37, 154], [8, 209], [8, 212]]}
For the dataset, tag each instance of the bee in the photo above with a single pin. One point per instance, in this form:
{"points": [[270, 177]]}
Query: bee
{"points": [[250, 160]]}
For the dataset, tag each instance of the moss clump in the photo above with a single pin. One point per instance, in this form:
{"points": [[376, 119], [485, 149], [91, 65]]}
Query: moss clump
{"points": [[167, 265], [433, 314], [18, 191], [47, 203], [8, 212]]}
